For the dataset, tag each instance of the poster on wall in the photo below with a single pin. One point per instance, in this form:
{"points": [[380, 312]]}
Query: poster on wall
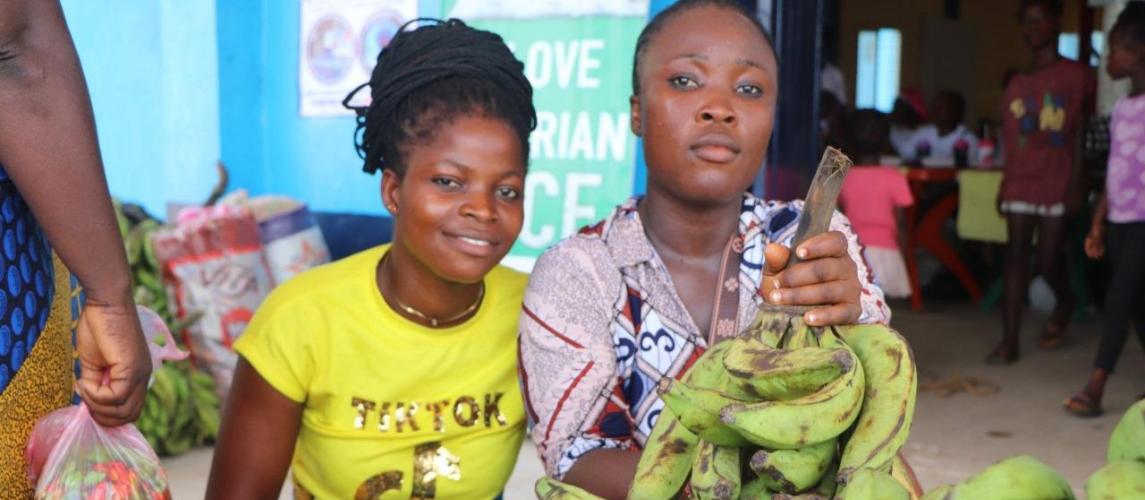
{"points": [[578, 56], [518, 9], [339, 43]]}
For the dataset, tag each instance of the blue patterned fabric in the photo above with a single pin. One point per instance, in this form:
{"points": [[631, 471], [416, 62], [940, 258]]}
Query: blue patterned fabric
{"points": [[25, 280]]}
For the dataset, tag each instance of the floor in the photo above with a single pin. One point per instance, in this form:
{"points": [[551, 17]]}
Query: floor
{"points": [[953, 436]]}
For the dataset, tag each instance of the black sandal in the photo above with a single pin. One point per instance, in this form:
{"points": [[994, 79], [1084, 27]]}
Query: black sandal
{"points": [[1082, 405]]}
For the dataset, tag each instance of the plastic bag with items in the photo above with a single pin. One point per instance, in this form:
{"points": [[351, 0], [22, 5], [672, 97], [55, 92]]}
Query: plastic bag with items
{"points": [[70, 456], [214, 265]]}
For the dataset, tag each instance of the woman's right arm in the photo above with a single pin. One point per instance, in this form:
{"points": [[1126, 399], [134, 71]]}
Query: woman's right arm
{"points": [[256, 441], [568, 364]]}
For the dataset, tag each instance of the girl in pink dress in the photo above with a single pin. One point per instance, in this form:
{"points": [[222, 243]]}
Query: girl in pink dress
{"points": [[873, 198]]}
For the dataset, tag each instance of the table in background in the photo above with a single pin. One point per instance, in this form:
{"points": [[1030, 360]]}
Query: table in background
{"points": [[924, 230]]}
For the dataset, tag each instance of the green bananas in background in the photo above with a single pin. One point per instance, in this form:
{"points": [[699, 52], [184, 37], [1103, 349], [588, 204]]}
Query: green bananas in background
{"points": [[773, 413], [1120, 480], [182, 409], [1123, 477], [1019, 478], [1128, 439], [1024, 478]]}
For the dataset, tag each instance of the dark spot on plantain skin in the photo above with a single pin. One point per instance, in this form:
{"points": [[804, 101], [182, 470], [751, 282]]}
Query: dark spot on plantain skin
{"points": [[677, 446], [897, 355], [844, 359]]}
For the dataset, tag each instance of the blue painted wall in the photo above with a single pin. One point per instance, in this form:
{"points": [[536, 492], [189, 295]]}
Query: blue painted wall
{"points": [[268, 146], [177, 85], [152, 72], [311, 159]]}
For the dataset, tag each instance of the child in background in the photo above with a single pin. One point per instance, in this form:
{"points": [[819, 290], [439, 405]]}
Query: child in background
{"points": [[1042, 116], [1119, 219], [907, 117], [873, 197], [395, 369], [949, 141], [632, 299]]}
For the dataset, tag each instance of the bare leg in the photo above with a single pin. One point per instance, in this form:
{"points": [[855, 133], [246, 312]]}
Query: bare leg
{"points": [[1052, 265], [1020, 230]]}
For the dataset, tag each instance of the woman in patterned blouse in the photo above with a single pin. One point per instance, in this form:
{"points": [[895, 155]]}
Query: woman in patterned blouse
{"points": [[634, 298]]}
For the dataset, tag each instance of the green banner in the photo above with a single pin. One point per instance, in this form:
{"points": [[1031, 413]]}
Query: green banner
{"points": [[583, 152]]}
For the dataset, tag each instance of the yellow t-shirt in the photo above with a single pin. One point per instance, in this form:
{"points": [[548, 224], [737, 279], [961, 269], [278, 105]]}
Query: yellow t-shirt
{"points": [[391, 408]]}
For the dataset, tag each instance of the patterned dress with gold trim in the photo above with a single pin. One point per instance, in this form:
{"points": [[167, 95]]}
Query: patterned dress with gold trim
{"points": [[36, 368]]}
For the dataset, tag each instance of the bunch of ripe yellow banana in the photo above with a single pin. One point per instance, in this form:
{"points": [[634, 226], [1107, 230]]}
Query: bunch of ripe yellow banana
{"points": [[786, 411]]}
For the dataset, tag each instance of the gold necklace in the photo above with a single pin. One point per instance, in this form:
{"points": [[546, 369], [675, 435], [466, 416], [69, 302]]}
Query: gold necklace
{"points": [[433, 322]]}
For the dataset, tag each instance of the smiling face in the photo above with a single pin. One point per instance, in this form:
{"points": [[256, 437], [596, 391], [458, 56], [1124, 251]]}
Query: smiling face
{"points": [[706, 105], [460, 201]]}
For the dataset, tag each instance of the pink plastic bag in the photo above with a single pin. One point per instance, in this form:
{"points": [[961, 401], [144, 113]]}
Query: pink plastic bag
{"points": [[154, 329], [70, 456], [85, 460]]}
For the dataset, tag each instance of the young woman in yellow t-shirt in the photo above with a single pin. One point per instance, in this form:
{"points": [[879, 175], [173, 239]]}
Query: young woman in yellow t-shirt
{"points": [[394, 370]]}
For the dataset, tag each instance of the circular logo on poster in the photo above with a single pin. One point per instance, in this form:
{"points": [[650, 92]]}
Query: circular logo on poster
{"points": [[376, 34], [330, 49]]}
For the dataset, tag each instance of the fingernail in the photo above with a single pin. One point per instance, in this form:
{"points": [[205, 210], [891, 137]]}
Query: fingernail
{"points": [[776, 296], [802, 253], [811, 318]]}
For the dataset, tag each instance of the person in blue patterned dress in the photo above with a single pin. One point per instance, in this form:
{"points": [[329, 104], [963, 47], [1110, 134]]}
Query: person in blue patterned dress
{"points": [[55, 210]]}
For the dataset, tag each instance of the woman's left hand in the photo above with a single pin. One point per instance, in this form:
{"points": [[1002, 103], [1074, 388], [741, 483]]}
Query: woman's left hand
{"points": [[825, 276]]}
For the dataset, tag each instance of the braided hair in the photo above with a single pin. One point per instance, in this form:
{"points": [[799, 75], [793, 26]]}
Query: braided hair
{"points": [[681, 7], [428, 76]]}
